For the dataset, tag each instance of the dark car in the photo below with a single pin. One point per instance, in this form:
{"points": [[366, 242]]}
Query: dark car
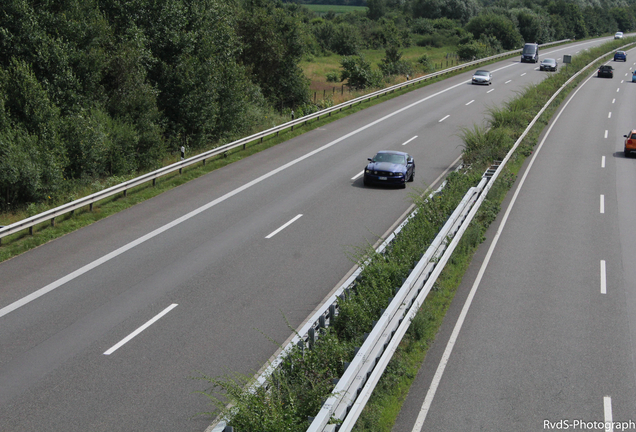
{"points": [[390, 167], [620, 55], [548, 64], [606, 71], [530, 53]]}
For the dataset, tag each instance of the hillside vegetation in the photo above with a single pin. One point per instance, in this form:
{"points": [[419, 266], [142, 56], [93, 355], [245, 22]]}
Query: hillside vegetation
{"points": [[95, 89]]}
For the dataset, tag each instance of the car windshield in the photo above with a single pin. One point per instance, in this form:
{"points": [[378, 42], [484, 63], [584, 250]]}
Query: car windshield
{"points": [[633, 135], [529, 49], [481, 73], [549, 61], [391, 158]]}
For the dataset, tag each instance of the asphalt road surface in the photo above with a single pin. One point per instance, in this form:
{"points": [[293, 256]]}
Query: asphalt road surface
{"points": [[543, 338], [104, 329]]}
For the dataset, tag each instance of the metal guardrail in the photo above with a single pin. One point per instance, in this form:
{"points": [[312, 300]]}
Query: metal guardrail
{"points": [[90, 200], [356, 375], [357, 383]]}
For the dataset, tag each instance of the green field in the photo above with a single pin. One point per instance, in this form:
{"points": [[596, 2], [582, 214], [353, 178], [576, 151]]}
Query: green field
{"points": [[338, 9]]}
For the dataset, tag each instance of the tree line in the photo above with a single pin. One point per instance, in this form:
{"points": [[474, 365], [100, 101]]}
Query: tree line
{"points": [[91, 89]]}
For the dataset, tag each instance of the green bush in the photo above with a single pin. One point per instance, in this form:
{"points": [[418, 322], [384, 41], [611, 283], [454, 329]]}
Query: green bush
{"points": [[333, 77], [357, 71]]}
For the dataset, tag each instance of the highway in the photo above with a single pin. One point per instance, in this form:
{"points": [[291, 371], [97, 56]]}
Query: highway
{"points": [[103, 329], [541, 333]]}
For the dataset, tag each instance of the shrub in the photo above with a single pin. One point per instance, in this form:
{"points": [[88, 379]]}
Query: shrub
{"points": [[359, 74], [333, 77]]}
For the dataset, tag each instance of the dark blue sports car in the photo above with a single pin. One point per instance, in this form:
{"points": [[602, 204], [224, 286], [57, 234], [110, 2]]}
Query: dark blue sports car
{"points": [[390, 167]]}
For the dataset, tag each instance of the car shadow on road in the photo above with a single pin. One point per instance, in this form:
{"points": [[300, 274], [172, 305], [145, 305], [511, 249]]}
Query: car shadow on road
{"points": [[620, 154]]}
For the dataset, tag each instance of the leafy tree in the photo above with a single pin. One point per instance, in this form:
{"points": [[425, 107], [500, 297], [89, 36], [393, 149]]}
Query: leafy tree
{"points": [[498, 26], [345, 39], [533, 27], [392, 63], [567, 20], [376, 9], [460, 10], [358, 72], [624, 18], [483, 47], [272, 48]]}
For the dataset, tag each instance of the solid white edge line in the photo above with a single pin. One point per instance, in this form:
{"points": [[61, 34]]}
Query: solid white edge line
{"points": [[430, 394], [284, 226], [444, 118], [357, 175], [88, 267], [607, 411], [409, 140], [603, 278], [470, 102], [140, 329], [603, 162], [602, 204]]}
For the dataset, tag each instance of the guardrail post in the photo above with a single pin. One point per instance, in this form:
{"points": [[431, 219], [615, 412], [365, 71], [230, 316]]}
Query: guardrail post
{"points": [[125, 193], [30, 230], [52, 222], [90, 207], [312, 337]]}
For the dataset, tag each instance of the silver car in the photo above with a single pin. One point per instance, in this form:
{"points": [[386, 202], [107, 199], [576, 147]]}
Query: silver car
{"points": [[482, 77]]}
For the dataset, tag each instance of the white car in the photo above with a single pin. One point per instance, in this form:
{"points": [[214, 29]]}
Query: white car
{"points": [[618, 35], [482, 77]]}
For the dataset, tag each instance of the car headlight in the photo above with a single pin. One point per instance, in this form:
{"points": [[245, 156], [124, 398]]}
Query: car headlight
{"points": [[367, 171]]}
